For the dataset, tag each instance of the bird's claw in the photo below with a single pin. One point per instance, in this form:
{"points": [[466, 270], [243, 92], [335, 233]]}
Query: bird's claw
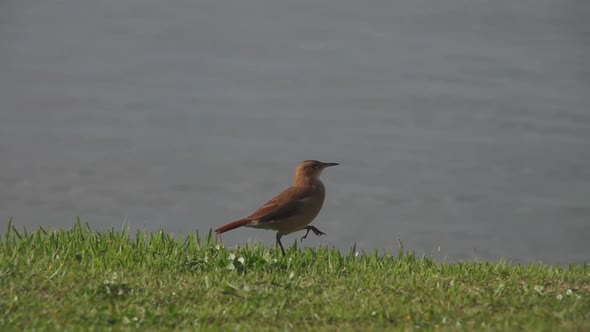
{"points": [[314, 230], [304, 236]]}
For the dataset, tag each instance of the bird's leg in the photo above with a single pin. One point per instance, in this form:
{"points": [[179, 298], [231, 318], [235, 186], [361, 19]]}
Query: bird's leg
{"points": [[279, 236], [314, 230]]}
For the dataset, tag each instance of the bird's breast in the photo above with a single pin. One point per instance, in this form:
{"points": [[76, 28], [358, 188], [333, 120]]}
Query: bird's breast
{"points": [[310, 207], [304, 212]]}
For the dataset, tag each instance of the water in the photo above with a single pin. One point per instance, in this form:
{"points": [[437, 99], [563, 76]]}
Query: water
{"points": [[462, 127]]}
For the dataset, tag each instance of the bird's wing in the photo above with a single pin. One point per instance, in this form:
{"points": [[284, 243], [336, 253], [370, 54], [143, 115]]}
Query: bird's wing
{"points": [[284, 205]]}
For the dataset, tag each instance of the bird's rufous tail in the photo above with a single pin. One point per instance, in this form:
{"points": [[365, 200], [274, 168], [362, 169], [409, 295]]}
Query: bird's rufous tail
{"points": [[232, 225]]}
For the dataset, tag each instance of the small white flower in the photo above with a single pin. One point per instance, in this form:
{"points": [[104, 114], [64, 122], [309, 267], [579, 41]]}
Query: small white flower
{"points": [[568, 292], [559, 297], [241, 260], [231, 257]]}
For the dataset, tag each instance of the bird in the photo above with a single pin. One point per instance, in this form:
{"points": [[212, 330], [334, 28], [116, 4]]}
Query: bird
{"points": [[293, 209]]}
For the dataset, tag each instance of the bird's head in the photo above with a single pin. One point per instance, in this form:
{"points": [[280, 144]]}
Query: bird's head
{"points": [[311, 169]]}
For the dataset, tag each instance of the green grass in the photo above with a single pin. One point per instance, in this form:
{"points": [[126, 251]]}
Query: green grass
{"points": [[79, 279]]}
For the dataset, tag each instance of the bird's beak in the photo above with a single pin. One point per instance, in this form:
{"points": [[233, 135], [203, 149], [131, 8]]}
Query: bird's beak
{"points": [[330, 164]]}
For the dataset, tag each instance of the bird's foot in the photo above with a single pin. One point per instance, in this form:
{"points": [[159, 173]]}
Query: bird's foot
{"points": [[314, 230]]}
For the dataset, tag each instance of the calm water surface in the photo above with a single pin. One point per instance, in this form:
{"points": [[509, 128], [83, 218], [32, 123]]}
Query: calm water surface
{"points": [[462, 127]]}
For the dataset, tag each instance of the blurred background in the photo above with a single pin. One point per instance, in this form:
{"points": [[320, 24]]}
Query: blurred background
{"points": [[462, 127]]}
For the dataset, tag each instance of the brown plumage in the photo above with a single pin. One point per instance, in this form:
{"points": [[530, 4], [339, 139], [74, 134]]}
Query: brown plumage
{"points": [[293, 209]]}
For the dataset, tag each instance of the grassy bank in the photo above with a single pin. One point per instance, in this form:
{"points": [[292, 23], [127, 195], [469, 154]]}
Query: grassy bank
{"points": [[79, 279]]}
